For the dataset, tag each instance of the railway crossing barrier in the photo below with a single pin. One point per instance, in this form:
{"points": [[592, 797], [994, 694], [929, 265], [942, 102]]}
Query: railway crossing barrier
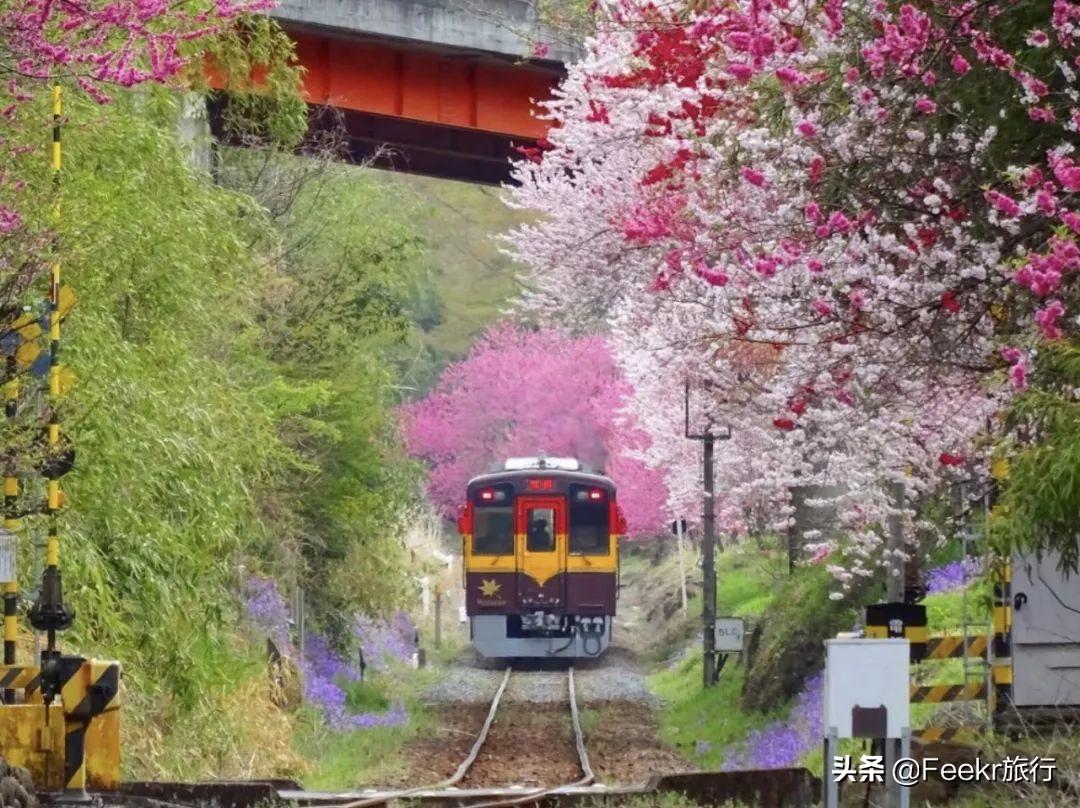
{"points": [[908, 621], [60, 718], [991, 685], [70, 744]]}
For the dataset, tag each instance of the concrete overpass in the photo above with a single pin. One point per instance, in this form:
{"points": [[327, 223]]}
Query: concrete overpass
{"points": [[447, 85]]}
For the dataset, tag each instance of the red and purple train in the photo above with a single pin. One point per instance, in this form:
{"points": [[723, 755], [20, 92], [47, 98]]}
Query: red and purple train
{"points": [[541, 559]]}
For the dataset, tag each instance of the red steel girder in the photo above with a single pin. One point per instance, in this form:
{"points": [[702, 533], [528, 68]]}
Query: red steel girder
{"points": [[462, 89]]}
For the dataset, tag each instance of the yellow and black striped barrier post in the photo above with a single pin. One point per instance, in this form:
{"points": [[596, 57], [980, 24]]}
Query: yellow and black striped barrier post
{"points": [[52, 546], [953, 647], [12, 523], [902, 620], [939, 694], [89, 692], [49, 613], [88, 688], [1001, 671], [885, 620], [20, 351]]}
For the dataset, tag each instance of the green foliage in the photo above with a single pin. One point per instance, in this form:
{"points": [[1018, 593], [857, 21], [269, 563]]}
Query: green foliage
{"points": [[462, 282], [1039, 508], [788, 647], [172, 433], [232, 410], [255, 61], [366, 697], [335, 308], [747, 574]]}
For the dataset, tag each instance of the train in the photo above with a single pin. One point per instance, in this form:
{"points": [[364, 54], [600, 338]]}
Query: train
{"points": [[540, 542]]}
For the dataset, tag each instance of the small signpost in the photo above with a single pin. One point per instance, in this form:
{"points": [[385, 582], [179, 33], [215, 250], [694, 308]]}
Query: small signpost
{"points": [[729, 633], [678, 527]]}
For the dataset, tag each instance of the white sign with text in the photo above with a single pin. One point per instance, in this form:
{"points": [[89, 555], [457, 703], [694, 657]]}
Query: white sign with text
{"points": [[729, 634]]}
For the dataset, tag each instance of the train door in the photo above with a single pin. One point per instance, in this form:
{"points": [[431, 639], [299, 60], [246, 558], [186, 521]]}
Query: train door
{"points": [[541, 552]]}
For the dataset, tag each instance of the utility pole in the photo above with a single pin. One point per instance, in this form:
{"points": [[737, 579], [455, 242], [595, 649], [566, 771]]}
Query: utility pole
{"points": [[708, 550], [894, 593], [708, 564]]}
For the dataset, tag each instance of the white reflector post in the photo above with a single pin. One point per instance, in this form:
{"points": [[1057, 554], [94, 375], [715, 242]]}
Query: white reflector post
{"points": [[7, 556]]}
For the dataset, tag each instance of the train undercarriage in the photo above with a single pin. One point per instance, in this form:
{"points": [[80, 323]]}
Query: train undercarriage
{"points": [[540, 634]]}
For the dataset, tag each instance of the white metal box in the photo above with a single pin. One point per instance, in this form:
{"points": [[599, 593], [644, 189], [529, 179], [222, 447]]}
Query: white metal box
{"points": [[867, 674], [1045, 633]]}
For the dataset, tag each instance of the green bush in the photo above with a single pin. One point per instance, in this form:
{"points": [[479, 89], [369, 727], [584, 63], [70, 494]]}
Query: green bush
{"points": [[788, 644]]}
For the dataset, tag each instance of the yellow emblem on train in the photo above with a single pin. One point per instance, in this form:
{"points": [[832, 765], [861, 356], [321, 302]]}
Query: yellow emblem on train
{"points": [[489, 588]]}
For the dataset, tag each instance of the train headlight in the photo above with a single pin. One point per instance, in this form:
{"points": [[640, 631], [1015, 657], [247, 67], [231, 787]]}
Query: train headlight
{"points": [[590, 495]]}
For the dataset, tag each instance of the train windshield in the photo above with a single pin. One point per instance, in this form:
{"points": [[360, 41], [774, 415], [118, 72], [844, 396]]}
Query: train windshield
{"points": [[493, 530], [541, 526], [589, 521]]}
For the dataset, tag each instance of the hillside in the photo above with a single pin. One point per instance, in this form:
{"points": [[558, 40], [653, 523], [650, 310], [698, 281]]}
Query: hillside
{"points": [[463, 282]]}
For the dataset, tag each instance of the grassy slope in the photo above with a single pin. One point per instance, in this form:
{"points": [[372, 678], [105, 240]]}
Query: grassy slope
{"points": [[701, 723], [696, 722], [349, 760]]}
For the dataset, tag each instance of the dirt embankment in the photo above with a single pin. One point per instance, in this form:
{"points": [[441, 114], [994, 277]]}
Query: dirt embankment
{"points": [[624, 749]]}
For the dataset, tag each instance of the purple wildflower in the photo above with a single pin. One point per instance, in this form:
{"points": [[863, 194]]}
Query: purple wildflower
{"points": [[324, 671], [385, 642], [950, 577], [267, 609], [782, 744]]}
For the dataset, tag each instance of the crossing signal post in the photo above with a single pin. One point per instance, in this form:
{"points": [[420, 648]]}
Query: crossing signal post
{"points": [[60, 718]]}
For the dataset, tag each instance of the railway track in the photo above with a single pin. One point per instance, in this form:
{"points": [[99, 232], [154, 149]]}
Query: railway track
{"points": [[449, 788], [778, 788]]}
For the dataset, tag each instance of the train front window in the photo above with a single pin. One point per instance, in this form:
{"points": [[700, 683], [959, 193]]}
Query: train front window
{"points": [[493, 531], [589, 521], [540, 523]]}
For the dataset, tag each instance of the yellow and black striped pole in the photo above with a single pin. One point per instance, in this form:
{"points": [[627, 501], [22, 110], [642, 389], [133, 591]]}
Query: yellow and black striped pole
{"points": [[52, 546], [49, 613], [12, 523], [1001, 671]]}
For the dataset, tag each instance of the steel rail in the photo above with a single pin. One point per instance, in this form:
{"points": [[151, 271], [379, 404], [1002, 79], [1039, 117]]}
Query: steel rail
{"points": [[462, 769], [587, 774]]}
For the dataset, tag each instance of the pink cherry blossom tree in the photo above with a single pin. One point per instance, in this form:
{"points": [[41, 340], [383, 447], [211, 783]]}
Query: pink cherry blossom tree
{"points": [[847, 226], [520, 392]]}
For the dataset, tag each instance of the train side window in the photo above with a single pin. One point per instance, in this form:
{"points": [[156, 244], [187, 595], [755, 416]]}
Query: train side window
{"points": [[540, 524], [589, 524], [493, 531]]}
